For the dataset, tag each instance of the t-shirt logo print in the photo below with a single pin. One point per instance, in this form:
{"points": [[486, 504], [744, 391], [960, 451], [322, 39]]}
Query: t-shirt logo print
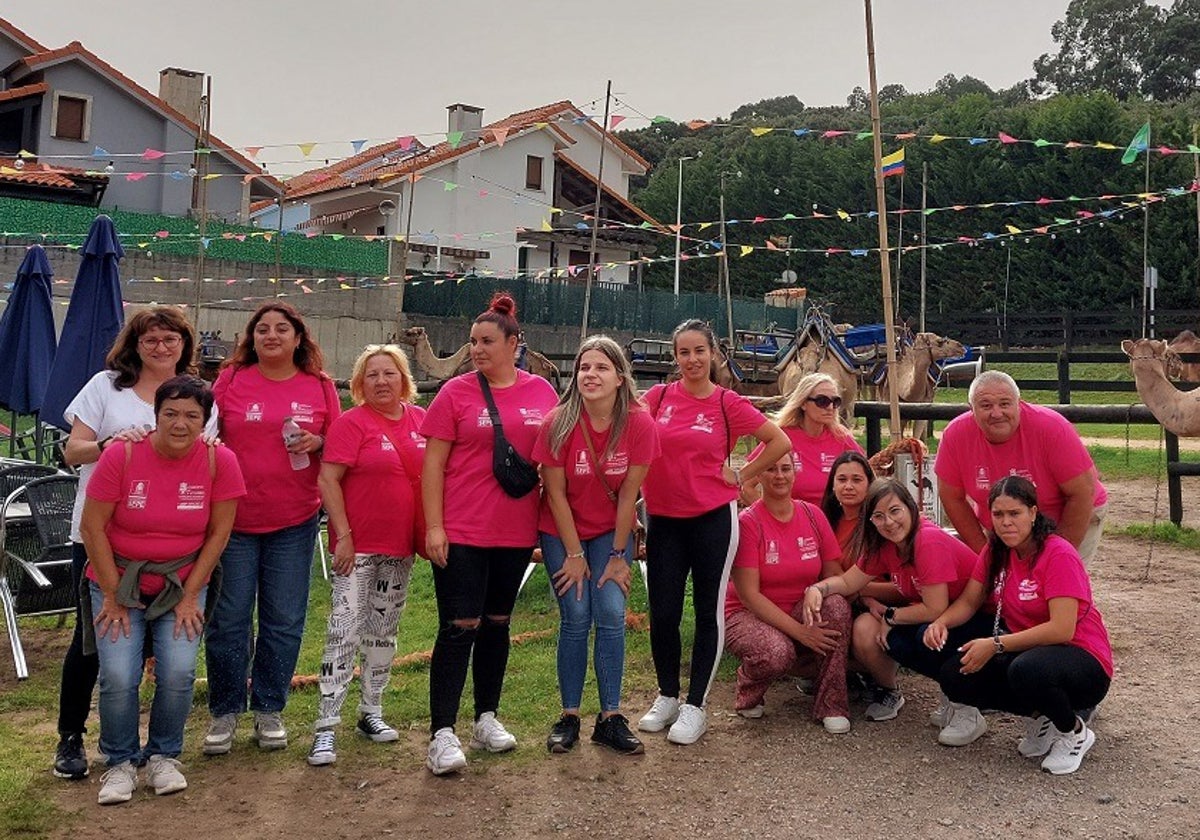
{"points": [[1027, 590], [666, 415], [136, 498], [254, 413], [582, 467], [191, 496], [981, 479], [772, 558], [808, 548], [703, 424], [484, 420]]}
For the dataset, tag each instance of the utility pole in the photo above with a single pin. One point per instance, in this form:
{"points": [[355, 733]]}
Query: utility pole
{"points": [[924, 237], [200, 189], [587, 294], [412, 196]]}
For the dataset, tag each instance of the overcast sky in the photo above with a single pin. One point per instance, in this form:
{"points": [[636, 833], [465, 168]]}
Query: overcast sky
{"points": [[310, 71]]}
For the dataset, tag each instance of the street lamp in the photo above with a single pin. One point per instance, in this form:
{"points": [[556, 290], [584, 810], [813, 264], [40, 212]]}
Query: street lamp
{"points": [[679, 220], [387, 209]]}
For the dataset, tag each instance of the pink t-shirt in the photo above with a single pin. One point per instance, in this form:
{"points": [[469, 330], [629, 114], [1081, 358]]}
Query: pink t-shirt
{"points": [[378, 492], [594, 513], [477, 511], [162, 505], [1057, 573], [696, 436], [1045, 449], [252, 412], [813, 457], [938, 557], [788, 555]]}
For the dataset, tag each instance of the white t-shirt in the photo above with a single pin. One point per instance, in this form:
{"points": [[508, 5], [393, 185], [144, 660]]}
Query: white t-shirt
{"points": [[106, 411]]}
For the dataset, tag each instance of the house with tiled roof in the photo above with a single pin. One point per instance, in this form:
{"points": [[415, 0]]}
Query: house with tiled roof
{"points": [[74, 128], [514, 196]]}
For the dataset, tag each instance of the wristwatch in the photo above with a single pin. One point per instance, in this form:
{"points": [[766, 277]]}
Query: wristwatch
{"points": [[998, 644], [889, 616]]}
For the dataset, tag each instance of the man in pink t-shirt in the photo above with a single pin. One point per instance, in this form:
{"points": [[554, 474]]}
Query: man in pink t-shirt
{"points": [[1005, 436]]}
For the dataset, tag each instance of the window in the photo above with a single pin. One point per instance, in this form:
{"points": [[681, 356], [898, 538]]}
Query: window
{"points": [[72, 118], [533, 172]]}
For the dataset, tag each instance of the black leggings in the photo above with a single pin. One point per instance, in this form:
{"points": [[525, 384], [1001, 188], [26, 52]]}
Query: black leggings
{"points": [[1051, 680], [476, 583], [704, 546], [78, 671]]}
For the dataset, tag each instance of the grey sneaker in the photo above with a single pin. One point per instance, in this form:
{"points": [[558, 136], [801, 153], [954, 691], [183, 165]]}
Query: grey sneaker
{"points": [[887, 704], [1068, 749], [1039, 737], [118, 784], [269, 731], [965, 727], [163, 775], [219, 739]]}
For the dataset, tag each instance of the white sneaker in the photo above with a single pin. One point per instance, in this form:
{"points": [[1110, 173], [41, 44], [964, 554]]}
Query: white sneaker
{"points": [[752, 713], [269, 731], [965, 726], [887, 704], [445, 753], [689, 726], [489, 734], [836, 724], [1068, 750], [1039, 737], [163, 775], [322, 752], [219, 739], [118, 784], [940, 717], [663, 712]]}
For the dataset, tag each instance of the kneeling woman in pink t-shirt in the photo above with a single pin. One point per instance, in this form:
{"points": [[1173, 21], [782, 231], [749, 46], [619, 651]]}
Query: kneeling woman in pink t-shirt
{"points": [[157, 516], [1048, 656], [594, 448], [785, 545], [927, 567], [372, 460]]}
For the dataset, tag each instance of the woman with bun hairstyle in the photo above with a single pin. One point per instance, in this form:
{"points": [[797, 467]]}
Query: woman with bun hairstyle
{"points": [[1047, 654], [594, 448], [691, 497], [275, 374], [479, 538]]}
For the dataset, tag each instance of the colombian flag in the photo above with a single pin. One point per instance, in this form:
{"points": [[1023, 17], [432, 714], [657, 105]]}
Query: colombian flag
{"points": [[893, 164]]}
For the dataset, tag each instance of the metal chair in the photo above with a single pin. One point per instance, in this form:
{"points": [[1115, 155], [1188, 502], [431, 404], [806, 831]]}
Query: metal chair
{"points": [[35, 555], [13, 475]]}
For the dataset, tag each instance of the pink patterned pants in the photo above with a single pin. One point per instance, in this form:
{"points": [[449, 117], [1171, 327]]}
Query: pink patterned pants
{"points": [[768, 654]]}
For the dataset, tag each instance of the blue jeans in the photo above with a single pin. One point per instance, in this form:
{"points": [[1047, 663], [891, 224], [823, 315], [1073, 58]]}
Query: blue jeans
{"points": [[121, 664], [273, 569], [605, 607]]}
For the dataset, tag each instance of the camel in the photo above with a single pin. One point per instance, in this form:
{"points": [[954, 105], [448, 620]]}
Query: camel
{"points": [[435, 366], [1151, 361], [1187, 342], [459, 363], [913, 363]]}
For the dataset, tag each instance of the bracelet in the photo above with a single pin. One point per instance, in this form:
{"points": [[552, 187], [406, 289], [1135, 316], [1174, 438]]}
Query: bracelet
{"points": [[344, 535], [100, 444], [575, 555], [618, 552]]}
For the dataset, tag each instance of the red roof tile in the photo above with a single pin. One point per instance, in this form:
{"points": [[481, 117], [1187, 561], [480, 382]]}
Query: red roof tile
{"points": [[76, 51], [23, 91], [614, 196], [42, 175], [20, 37]]}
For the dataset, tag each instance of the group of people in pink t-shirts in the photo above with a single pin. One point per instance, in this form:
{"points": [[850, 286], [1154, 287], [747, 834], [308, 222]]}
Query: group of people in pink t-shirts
{"points": [[828, 573]]}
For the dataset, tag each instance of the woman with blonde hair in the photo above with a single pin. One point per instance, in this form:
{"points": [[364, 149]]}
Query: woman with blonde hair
{"points": [[595, 448], [810, 420], [372, 464]]}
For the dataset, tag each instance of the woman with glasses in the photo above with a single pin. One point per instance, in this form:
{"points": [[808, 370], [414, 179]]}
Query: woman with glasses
{"points": [[810, 420], [117, 404], [929, 568]]}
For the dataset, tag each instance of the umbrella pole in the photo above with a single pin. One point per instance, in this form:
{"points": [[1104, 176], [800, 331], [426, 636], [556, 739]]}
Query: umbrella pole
{"points": [[12, 434], [39, 437]]}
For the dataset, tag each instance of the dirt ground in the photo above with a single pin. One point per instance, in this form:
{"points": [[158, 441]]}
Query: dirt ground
{"points": [[781, 776]]}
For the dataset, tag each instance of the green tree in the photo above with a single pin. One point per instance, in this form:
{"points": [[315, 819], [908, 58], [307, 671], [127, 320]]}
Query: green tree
{"points": [[1173, 58], [1102, 45]]}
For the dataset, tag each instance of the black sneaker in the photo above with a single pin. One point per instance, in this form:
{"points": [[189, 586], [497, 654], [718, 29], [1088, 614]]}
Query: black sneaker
{"points": [[70, 759], [613, 731], [564, 734]]}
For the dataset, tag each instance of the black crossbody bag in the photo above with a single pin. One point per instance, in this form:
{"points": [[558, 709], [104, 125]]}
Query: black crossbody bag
{"points": [[517, 476]]}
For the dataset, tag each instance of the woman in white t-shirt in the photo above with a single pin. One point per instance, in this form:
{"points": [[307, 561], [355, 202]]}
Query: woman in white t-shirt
{"points": [[117, 403]]}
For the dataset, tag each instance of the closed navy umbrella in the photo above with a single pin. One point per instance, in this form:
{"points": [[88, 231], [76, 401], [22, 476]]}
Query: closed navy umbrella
{"points": [[94, 318], [27, 336]]}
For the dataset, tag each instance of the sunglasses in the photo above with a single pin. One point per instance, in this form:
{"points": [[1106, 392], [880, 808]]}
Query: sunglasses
{"points": [[823, 401]]}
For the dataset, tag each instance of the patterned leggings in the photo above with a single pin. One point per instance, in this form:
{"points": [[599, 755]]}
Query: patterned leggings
{"points": [[365, 615], [768, 654]]}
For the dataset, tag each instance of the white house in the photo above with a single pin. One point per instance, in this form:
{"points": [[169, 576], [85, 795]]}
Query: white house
{"points": [[512, 196]]}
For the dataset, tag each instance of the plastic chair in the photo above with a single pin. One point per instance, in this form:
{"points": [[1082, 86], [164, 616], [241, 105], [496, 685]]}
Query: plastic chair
{"points": [[14, 476], [35, 555]]}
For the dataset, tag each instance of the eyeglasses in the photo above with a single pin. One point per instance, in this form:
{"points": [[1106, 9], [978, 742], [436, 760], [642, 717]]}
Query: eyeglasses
{"points": [[894, 513], [823, 401], [170, 342]]}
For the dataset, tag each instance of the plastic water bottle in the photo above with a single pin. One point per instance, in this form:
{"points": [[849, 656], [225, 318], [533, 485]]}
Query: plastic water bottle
{"points": [[291, 434]]}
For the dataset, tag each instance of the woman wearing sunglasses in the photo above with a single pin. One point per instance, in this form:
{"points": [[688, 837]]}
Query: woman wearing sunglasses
{"points": [[929, 568], [810, 420]]}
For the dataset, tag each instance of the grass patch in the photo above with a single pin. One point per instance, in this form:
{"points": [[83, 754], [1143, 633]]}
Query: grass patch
{"points": [[1163, 532]]}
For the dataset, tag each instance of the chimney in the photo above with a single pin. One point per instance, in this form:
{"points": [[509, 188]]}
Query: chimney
{"points": [[464, 118], [182, 90]]}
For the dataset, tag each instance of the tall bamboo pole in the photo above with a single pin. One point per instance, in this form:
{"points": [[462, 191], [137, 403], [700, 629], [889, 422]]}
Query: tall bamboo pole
{"points": [[885, 266], [924, 237]]}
